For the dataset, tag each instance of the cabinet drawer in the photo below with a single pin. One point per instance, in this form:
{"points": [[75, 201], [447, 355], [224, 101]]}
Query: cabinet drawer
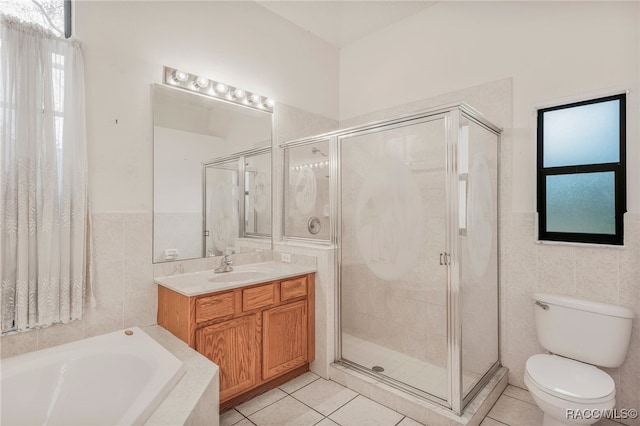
{"points": [[259, 297], [292, 289], [216, 306]]}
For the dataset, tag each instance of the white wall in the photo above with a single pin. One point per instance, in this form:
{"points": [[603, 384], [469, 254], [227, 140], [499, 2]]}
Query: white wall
{"points": [[555, 51], [178, 169], [126, 43]]}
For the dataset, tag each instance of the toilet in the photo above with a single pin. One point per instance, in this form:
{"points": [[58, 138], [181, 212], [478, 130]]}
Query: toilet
{"points": [[580, 336]]}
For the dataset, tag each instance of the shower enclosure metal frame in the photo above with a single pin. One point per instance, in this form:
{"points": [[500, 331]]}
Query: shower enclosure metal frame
{"points": [[240, 158], [452, 114], [332, 190]]}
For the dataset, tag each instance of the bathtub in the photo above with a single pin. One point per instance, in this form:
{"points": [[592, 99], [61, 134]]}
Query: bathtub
{"points": [[114, 379]]}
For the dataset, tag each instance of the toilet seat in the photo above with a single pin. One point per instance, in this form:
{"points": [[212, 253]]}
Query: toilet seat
{"points": [[570, 380]]}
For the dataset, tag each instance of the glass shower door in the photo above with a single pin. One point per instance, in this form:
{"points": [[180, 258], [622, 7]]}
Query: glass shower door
{"points": [[392, 207], [478, 243]]}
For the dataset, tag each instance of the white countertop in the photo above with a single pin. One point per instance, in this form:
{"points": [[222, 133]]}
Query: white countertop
{"points": [[197, 283]]}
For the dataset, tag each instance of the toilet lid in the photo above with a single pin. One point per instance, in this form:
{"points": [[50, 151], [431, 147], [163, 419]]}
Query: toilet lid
{"points": [[568, 378]]}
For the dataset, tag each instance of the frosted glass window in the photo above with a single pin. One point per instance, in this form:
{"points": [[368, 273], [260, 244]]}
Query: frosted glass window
{"points": [[581, 203], [586, 134], [582, 171]]}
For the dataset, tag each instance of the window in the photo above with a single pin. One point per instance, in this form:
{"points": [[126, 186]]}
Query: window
{"points": [[54, 15], [582, 171]]}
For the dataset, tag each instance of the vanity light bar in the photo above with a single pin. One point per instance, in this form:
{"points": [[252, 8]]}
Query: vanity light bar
{"points": [[216, 89]]}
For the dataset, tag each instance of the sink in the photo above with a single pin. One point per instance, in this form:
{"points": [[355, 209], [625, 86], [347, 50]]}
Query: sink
{"points": [[238, 276]]}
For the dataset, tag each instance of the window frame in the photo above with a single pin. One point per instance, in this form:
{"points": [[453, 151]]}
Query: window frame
{"points": [[618, 168], [67, 19]]}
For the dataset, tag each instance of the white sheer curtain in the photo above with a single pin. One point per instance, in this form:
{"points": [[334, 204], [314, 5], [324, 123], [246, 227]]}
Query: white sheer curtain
{"points": [[43, 177]]}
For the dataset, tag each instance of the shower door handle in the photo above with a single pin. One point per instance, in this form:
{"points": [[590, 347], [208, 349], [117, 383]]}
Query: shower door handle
{"points": [[445, 259]]}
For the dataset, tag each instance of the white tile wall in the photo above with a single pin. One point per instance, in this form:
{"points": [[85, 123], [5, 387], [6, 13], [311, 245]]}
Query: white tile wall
{"points": [[603, 274], [122, 285]]}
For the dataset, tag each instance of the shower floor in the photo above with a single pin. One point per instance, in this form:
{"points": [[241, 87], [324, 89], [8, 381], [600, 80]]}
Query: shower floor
{"points": [[421, 375]]}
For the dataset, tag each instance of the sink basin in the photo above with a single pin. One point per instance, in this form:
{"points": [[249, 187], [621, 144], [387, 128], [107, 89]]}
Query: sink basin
{"points": [[238, 276]]}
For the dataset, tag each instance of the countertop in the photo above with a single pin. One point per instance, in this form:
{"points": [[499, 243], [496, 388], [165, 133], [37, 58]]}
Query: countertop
{"points": [[197, 283]]}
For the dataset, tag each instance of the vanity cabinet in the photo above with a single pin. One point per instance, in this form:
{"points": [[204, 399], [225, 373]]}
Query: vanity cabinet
{"points": [[284, 339], [260, 335], [233, 346]]}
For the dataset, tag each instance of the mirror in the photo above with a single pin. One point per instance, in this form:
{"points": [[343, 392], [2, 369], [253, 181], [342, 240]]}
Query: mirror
{"points": [[224, 231], [204, 151]]}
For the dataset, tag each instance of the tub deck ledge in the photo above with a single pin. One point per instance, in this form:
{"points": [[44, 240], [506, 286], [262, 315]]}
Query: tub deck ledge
{"points": [[195, 398]]}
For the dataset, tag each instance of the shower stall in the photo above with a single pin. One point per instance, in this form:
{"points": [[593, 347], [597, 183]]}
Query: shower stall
{"points": [[414, 218]]}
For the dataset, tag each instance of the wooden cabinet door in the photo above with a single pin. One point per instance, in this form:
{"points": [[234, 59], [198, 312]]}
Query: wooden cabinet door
{"points": [[284, 338], [233, 346]]}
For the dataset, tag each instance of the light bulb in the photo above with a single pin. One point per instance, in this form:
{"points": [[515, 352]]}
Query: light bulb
{"points": [[239, 93], [221, 88], [202, 82], [269, 102], [181, 76], [255, 98]]}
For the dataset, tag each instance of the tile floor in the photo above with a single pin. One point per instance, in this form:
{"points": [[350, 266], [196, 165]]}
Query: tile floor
{"points": [[311, 400]]}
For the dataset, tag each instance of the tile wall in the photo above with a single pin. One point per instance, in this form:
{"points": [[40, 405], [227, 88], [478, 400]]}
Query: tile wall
{"points": [[602, 274], [122, 285]]}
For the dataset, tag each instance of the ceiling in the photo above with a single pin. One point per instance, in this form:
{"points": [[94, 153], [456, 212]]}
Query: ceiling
{"points": [[343, 22]]}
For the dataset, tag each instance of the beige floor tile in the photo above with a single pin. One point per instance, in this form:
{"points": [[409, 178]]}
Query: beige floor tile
{"points": [[409, 422], [244, 422], [324, 396], [286, 412], [515, 412], [230, 417], [299, 382], [365, 412], [326, 422], [488, 421], [519, 393], [261, 401]]}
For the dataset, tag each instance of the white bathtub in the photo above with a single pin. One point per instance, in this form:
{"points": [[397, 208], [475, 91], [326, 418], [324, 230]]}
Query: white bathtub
{"points": [[113, 379]]}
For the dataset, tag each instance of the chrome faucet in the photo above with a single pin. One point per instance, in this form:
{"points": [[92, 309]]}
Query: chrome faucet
{"points": [[225, 265]]}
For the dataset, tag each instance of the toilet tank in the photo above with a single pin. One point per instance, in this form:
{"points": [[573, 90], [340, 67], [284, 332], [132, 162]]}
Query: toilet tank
{"points": [[591, 332]]}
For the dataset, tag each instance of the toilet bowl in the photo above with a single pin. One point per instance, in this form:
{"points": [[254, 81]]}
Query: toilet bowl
{"points": [[567, 391], [580, 335]]}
